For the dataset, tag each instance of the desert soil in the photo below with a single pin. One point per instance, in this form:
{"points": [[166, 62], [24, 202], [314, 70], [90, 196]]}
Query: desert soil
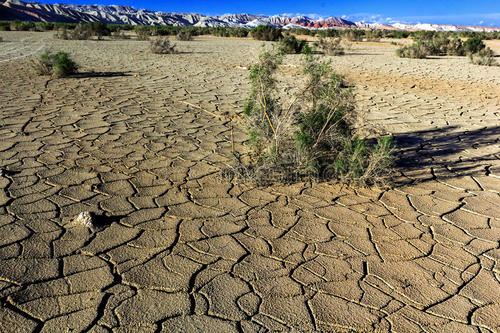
{"points": [[140, 140]]}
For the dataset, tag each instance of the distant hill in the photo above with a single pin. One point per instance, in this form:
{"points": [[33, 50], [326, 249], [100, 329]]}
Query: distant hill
{"points": [[33, 11]]}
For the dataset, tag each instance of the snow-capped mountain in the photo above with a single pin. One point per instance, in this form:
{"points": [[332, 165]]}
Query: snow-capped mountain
{"points": [[33, 11]]}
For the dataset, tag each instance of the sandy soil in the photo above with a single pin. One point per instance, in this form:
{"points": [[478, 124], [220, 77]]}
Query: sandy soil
{"points": [[139, 139]]}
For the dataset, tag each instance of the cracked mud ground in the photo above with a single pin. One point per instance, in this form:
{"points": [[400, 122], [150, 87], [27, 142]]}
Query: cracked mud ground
{"points": [[140, 140]]}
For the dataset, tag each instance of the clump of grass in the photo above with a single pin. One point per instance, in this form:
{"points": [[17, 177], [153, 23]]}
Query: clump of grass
{"points": [[162, 46], [330, 46], [291, 45], [313, 136], [185, 35], [58, 64], [484, 57]]}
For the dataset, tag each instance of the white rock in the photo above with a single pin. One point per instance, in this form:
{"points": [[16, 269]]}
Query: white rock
{"points": [[85, 219]]}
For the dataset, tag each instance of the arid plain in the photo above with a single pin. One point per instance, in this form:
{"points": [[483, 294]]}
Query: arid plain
{"points": [[140, 140]]}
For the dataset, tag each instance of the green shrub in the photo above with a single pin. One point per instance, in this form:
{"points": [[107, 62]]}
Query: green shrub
{"points": [[330, 46], [313, 136], [63, 65], [292, 45], [474, 45], [162, 45], [416, 50], [59, 64], [22, 26], [185, 35], [484, 57], [266, 32]]}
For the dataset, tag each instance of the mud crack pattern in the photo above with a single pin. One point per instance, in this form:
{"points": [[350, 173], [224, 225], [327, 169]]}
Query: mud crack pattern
{"points": [[178, 248]]}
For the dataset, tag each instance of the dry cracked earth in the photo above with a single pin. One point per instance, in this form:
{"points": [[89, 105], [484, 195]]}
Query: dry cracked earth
{"points": [[140, 140]]}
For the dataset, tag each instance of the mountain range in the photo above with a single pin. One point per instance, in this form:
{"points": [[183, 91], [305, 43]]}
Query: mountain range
{"points": [[33, 11]]}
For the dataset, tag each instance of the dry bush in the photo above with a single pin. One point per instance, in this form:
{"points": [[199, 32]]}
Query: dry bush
{"points": [[313, 135], [330, 46], [416, 51], [162, 46], [185, 35], [484, 57], [118, 34]]}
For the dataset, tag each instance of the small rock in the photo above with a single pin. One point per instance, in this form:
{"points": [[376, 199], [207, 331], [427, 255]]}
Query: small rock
{"points": [[85, 219]]}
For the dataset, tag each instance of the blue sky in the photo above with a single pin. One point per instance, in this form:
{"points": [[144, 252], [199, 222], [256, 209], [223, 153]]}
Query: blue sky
{"points": [[466, 12]]}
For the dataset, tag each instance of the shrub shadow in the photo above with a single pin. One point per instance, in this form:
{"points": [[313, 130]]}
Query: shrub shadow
{"points": [[102, 221], [99, 74], [463, 153]]}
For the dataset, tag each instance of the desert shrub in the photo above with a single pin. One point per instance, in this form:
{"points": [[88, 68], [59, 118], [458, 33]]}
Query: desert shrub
{"points": [[143, 32], [4, 26], [353, 35], [185, 35], [22, 26], [313, 136], [83, 31], [238, 32], [266, 32], [440, 45], [59, 64], [291, 45], [416, 50], [484, 57], [474, 45], [373, 35], [330, 46], [162, 45], [118, 34]]}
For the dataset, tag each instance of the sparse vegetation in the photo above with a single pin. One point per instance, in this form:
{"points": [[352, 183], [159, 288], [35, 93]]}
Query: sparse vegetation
{"points": [[119, 34], [58, 64], [83, 31], [291, 45], [185, 35], [142, 32], [416, 51], [313, 136], [162, 45], [266, 32], [330, 46], [430, 44], [473, 45], [483, 57]]}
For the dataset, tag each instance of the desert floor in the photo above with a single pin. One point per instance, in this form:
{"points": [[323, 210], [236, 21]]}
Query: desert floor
{"points": [[140, 139]]}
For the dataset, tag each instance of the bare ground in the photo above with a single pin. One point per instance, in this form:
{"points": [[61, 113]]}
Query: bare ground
{"points": [[139, 139]]}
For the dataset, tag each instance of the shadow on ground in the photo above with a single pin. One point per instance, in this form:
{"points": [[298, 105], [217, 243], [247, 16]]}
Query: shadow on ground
{"points": [[465, 153], [99, 74]]}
